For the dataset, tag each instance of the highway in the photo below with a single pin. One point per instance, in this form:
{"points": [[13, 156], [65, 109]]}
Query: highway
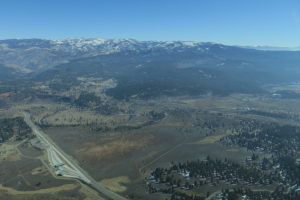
{"points": [[63, 165]]}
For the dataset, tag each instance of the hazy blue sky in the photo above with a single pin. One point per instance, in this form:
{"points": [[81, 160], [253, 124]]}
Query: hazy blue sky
{"points": [[241, 22]]}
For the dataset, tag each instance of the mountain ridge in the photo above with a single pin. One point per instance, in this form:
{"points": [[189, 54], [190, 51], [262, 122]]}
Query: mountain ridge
{"points": [[147, 68], [42, 54]]}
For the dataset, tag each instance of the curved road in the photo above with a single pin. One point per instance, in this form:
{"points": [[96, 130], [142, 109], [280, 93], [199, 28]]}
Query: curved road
{"points": [[69, 161]]}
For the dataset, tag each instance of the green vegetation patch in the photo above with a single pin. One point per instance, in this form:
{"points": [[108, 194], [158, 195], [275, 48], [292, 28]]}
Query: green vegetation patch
{"points": [[10, 127]]}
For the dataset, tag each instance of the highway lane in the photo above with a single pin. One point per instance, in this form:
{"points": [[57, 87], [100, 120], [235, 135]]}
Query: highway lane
{"points": [[58, 154]]}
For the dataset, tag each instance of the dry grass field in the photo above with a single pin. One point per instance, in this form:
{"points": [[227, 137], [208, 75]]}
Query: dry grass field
{"points": [[214, 138], [116, 184], [40, 191], [9, 152], [112, 150]]}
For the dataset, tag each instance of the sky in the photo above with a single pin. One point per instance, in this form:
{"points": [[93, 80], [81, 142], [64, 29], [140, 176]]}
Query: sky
{"points": [[233, 22]]}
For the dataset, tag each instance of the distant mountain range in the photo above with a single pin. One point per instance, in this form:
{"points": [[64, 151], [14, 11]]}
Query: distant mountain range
{"points": [[37, 54], [147, 68], [272, 48]]}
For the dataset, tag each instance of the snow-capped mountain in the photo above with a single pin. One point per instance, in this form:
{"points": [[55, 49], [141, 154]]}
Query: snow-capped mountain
{"points": [[210, 66], [40, 54], [35, 55]]}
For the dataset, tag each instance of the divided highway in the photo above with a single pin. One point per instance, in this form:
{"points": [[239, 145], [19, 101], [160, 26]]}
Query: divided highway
{"points": [[63, 164]]}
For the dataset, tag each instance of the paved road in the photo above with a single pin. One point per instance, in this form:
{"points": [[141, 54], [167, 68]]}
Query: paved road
{"points": [[61, 155]]}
